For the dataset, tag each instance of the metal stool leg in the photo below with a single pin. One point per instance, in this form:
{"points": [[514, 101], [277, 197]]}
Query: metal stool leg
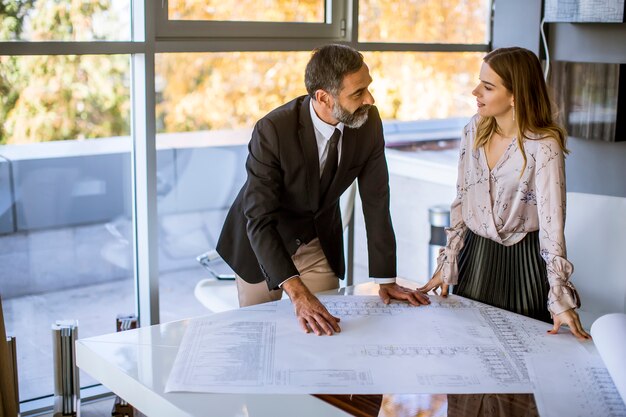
{"points": [[66, 383], [121, 408]]}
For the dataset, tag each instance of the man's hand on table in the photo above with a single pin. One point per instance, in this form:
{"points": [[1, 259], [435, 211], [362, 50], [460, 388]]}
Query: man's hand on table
{"points": [[311, 313], [394, 291]]}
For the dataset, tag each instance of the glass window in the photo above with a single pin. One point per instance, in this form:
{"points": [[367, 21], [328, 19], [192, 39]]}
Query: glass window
{"points": [[227, 90], [207, 104], [425, 21], [309, 11], [232, 90], [424, 85], [65, 222], [65, 20], [286, 19], [62, 97], [65, 171]]}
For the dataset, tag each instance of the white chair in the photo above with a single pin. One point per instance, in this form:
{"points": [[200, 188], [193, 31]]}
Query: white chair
{"points": [[219, 293], [595, 232]]}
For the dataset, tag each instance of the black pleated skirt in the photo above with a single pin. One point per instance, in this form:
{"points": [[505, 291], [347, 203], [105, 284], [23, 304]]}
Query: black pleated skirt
{"points": [[509, 277]]}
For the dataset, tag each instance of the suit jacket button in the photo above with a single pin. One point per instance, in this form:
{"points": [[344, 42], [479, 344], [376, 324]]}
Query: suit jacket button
{"points": [[298, 242]]}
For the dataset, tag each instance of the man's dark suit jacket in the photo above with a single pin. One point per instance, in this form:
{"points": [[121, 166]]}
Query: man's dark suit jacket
{"points": [[279, 207]]}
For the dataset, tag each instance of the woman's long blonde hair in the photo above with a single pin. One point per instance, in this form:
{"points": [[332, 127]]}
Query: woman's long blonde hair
{"points": [[522, 76]]}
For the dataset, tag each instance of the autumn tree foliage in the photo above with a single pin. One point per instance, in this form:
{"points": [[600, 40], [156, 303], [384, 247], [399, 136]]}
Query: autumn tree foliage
{"points": [[60, 97], [45, 98], [230, 90], [424, 21], [248, 10]]}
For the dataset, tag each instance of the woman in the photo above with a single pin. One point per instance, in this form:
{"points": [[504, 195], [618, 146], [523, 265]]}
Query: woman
{"points": [[508, 217]]}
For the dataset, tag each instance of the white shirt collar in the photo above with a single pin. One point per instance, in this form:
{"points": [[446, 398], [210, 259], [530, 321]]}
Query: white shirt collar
{"points": [[324, 128]]}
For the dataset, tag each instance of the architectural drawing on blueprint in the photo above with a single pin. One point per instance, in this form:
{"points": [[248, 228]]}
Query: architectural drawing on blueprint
{"points": [[575, 387], [453, 345]]}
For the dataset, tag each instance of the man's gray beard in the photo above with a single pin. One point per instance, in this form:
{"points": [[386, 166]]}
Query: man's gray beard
{"points": [[351, 120]]}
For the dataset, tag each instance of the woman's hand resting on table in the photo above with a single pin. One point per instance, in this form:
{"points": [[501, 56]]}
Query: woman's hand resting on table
{"points": [[568, 317], [434, 284], [571, 319]]}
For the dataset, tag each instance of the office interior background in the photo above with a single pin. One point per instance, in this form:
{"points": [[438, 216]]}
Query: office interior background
{"points": [[124, 127]]}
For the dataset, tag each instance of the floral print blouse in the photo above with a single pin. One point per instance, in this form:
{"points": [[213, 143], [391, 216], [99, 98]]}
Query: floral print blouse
{"points": [[502, 206]]}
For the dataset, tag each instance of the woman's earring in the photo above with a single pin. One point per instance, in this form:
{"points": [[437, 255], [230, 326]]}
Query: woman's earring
{"points": [[513, 111]]}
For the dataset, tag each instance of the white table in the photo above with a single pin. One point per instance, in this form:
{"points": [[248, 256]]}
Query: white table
{"points": [[135, 365]]}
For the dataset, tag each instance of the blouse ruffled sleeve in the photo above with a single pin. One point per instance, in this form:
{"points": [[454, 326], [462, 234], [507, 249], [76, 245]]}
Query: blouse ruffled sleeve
{"points": [[448, 256], [551, 202]]}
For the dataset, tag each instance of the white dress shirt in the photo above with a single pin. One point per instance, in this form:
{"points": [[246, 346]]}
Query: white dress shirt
{"points": [[323, 133]]}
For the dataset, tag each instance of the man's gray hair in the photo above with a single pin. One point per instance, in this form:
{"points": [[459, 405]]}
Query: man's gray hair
{"points": [[327, 67]]}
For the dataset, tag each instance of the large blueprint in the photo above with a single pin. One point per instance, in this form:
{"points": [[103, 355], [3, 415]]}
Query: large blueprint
{"points": [[454, 345], [589, 386]]}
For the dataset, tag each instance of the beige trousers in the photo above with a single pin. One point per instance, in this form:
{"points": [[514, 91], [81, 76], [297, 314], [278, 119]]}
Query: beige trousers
{"points": [[315, 273]]}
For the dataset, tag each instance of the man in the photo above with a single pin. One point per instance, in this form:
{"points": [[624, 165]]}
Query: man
{"points": [[284, 231]]}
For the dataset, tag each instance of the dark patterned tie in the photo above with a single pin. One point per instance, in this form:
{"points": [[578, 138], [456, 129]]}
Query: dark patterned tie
{"points": [[330, 168]]}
